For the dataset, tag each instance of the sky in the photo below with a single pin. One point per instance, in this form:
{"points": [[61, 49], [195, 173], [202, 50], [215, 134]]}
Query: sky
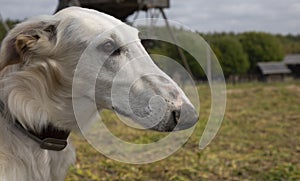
{"points": [[274, 16]]}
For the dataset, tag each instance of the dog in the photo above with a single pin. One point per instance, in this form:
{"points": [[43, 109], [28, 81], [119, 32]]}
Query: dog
{"points": [[38, 61]]}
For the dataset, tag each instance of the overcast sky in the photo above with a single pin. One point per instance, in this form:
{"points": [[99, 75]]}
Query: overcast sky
{"points": [[276, 16]]}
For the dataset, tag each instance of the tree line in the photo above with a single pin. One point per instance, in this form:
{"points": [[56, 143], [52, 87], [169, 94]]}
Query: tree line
{"points": [[238, 53]]}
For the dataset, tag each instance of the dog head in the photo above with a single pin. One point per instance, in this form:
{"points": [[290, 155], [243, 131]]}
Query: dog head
{"points": [[46, 51]]}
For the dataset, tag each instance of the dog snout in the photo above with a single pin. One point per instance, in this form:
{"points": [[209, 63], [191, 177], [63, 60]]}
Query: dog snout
{"points": [[183, 117]]}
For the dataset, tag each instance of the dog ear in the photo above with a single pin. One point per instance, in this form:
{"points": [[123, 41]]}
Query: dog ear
{"points": [[29, 38]]}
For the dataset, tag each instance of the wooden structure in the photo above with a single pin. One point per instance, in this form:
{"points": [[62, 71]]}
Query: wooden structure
{"points": [[120, 9], [273, 71], [293, 63]]}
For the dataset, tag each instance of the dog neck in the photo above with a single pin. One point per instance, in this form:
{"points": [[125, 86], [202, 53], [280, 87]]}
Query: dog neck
{"points": [[49, 138]]}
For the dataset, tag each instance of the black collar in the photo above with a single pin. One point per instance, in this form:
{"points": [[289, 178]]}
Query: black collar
{"points": [[49, 138]]}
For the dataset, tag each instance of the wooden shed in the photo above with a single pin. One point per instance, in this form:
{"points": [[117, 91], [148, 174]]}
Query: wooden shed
{"points": [[273, 71], [120, 9], [293, 63]]}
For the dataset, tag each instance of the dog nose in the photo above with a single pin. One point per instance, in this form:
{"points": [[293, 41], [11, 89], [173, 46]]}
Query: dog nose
{"points": [[184, 118], [176, 116]]}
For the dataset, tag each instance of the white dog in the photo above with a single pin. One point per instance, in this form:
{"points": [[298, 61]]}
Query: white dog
{"points": [[37, 64]]}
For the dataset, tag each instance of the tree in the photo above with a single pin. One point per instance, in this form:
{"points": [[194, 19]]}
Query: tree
{"points": [[171, 51], [232, 57], [291, 43], [3, 31], [261, 47]]}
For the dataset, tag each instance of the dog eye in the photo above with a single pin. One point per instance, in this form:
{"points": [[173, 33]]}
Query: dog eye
{"points": [[109, 46]]}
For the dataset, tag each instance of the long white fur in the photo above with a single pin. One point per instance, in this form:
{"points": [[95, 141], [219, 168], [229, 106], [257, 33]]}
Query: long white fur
{"points": [[36, 88]]}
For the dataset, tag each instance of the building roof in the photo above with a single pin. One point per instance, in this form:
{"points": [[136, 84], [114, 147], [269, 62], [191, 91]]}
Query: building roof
{"points": [[292, 59], [268, 68]]}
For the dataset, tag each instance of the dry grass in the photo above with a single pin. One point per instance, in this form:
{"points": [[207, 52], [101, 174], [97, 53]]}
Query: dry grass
{"points": [[259, 140]]}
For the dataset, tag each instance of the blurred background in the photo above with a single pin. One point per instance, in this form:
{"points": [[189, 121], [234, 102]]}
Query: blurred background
{"points": [[258, 46]]}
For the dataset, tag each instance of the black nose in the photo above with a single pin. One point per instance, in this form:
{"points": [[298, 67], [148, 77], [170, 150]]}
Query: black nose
{"points": [[185, 118], [176, 116]]}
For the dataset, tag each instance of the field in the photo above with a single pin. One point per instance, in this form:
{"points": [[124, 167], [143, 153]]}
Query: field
{"points": [[259, 140]]}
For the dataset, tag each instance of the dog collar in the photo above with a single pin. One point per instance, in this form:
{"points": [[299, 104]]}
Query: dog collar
{"points": [[49, 138]]}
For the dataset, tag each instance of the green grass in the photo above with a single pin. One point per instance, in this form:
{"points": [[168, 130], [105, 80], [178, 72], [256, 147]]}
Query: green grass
{"points": [[258, 140]]}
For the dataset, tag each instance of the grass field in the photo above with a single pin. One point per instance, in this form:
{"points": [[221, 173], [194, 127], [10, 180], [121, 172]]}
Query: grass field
{"points": [[259, 140]]}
